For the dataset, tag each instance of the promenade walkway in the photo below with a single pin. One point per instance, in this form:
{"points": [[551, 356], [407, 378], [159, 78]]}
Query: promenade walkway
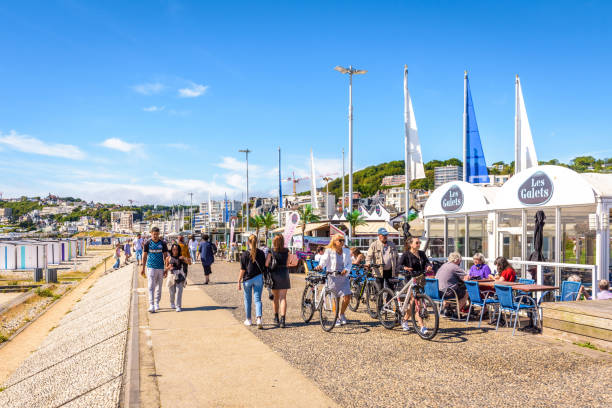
{"points": [[204, 357]]}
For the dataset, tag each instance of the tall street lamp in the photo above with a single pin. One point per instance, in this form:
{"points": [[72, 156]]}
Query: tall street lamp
{"points": [[350, 71], [246, 152]]}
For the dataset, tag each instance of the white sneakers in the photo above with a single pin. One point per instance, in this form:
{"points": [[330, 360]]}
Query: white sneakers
{"points": [[151, 309], [178, 308], [259, 323], [172, 306], [406, 326], [156, 307], [248, 322], [341, 321]]}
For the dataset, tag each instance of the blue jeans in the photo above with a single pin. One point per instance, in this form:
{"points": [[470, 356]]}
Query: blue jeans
{"points": [[255, 284], [117, 263]]}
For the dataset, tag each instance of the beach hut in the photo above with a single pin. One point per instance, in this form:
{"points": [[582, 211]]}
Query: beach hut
{"points": [[73, 248], [53, 252], [8, 256], [30, 255], [65, 247]]}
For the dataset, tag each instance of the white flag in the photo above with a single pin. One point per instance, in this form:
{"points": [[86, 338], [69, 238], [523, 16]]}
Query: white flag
{"points": [[414, 158], [313, 183], [525, 154]]}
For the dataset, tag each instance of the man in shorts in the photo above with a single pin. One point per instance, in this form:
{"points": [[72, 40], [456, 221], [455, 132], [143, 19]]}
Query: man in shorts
{"points": [[137, 244], [155, 252]]}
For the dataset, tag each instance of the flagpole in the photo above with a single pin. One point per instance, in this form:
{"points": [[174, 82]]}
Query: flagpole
{"points": [[280, 188], [465, 108], [342, 181], [406, 141], [517, 138]]}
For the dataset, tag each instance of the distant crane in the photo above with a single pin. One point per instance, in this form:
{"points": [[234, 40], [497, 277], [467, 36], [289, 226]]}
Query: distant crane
{"points": [[295, 181]]}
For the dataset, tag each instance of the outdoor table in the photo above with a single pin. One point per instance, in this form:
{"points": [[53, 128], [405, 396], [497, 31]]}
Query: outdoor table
{"points": [[490, 284], [533, 287]]}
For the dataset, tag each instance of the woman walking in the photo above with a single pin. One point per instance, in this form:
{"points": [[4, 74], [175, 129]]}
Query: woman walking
{"points": [[117, 256], [127, 250], [414, 260], [276, 262], [337, 260], [207, 252], [193, 247], [176, 264], [252, 263]]}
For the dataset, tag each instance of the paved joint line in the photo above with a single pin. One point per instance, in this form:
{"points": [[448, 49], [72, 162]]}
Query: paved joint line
{"points": [[88, 391]]}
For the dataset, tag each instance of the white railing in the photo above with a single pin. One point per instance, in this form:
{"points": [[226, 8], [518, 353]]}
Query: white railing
{"points": [[540, 271]]}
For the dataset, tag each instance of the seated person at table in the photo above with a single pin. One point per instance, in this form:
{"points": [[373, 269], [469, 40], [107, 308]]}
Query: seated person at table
{"points": [[480, 270], [604, 290], [450, 275], [582, 292], [505, 273]]}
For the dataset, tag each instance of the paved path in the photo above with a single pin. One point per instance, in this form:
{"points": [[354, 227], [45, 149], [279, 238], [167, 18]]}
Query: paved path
{"points": [[204, 357], [365, 365]]}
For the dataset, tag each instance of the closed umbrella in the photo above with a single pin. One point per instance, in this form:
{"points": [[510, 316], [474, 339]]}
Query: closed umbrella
{"points": [[538, 241]]}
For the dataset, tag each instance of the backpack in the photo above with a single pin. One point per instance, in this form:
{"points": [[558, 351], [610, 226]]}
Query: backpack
{"points": [[273, 263]]}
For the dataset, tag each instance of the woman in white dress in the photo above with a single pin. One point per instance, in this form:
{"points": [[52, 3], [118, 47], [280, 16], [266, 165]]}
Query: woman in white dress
{"points": [[337, 261]]}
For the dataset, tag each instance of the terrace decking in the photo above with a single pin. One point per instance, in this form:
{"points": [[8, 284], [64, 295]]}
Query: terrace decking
{"points": [[589, 320]]}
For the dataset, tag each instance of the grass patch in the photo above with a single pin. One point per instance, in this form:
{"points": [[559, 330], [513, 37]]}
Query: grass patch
{"points": [[588, 345], [3, 338], [47, 293], [13, 283]]}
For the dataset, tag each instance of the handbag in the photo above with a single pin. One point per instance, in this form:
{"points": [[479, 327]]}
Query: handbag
{"points": [[267, 276]]}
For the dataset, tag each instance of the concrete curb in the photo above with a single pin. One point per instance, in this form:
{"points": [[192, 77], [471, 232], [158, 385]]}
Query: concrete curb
{"points": [[131, 380]]}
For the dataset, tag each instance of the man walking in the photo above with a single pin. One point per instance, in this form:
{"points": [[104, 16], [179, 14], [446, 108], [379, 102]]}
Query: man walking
{"points": [[382, 252], [207, 252], [137, 244], [155, 252]]}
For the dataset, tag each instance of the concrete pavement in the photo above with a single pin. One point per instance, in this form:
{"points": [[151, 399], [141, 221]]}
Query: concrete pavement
{"points": [[204, 357]]}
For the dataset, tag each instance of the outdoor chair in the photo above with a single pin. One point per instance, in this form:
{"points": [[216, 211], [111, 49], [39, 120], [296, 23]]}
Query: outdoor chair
{"points": [[508, 303], [311, 264], [569, 291], [477, 300], [432, 289], [524, 282]]}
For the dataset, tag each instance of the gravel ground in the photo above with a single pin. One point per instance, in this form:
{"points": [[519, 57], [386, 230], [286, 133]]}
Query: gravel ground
{"points": [[80, 363], [365, 365]]}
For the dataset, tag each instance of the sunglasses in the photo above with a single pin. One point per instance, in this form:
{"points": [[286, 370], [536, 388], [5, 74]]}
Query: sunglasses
{"points": [[340, 240]]}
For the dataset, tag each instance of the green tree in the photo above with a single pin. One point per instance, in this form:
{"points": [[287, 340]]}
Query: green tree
{"points": [[268, 222], [257, 223], [355, 219], [307, 216]]}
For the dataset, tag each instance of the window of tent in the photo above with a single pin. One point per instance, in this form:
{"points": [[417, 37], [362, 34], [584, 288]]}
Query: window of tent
{"points": [[477, 235], [435, 235], [456, 235], [510, 230], [578, 244], [548, 242]]}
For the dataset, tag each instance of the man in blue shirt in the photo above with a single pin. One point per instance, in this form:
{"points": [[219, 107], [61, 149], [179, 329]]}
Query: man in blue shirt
{"points": [[207, 252], [155, 252]]}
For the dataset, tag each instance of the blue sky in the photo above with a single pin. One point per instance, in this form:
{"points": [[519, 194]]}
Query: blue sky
{"points": [[148, 100]]}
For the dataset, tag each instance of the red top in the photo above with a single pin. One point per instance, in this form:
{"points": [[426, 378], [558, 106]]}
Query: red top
{"points": [[509, 274]]}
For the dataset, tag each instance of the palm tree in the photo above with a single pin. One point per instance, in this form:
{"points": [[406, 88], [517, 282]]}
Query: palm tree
{"points": [[307, 216], [355, 219], [256, 222], [268, 222]]}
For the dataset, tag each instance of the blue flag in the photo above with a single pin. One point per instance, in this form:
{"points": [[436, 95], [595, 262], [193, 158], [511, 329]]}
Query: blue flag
{"points": [[476, 166]]}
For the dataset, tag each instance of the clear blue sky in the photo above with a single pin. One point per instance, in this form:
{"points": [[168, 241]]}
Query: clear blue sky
{"points": [[112, 100]]}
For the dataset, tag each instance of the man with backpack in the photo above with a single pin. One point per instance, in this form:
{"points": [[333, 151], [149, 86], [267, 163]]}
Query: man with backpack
{"points": [[207, 251]]}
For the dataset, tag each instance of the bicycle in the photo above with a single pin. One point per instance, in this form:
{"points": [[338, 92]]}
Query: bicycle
{"points": [[363, 287], [391, 311], [317, 296]]}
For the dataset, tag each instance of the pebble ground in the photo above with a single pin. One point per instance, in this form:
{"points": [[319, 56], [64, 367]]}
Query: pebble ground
{"points": [[364, 365]]}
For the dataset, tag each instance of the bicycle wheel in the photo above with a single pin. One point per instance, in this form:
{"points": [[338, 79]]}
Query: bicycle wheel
{"points": [[328, 310], [428, 312], [356, 297], [308, 302], [370, 300], [388, 308]]}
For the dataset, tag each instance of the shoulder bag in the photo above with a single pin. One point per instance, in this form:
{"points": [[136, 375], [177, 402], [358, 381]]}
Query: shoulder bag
{"points": [[267, 276]]}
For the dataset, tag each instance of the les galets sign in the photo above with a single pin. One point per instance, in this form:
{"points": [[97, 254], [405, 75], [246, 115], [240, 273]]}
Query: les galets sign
{"points": [[536, 190], [452, 200]]}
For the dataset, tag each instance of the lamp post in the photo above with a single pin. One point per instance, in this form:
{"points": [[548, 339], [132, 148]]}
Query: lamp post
{"points": [[246, 152], [350, 71]]}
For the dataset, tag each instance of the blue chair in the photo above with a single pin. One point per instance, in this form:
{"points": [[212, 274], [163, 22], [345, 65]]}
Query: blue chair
{"points": [[477, 300], [524, 282], [508, 303], [311, 264], [569, 291], [432, 289]]}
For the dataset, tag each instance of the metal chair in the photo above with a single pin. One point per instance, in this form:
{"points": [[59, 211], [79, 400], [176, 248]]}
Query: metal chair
{"points": [[432, 289], [508, 303], [477, 300], [311, 264], [569, 291]]}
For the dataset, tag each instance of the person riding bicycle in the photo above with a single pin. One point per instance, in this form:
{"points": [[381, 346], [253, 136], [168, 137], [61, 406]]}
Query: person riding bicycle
{"points": [[382, 252], [416, 262]]}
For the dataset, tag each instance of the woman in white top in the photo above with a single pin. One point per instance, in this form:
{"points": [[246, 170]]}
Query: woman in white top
{"points": [[320, 251], [337, 260]]}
